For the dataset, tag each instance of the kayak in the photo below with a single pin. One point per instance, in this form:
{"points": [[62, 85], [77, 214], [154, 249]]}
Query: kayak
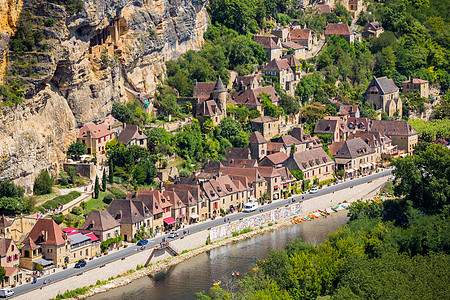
{"points": [[216, 283]]}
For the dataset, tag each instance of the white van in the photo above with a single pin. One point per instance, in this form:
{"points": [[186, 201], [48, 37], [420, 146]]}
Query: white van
{"points": [[250, 206], [6, 293]]}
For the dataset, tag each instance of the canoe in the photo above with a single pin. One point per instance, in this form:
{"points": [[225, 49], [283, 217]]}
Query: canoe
{"points": [[216, 283]]}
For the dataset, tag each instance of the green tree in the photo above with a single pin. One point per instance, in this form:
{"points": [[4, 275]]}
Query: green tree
{"points": [[96, 188], [111, 172], [76, 149], [43, 183], [10, 189], [104, 179]]}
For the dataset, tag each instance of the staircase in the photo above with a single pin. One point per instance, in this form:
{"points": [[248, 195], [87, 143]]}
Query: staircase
{"points": [[173, 250], [150, 257]]}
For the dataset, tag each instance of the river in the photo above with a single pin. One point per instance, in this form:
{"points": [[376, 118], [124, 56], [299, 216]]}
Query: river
{"points": [[196, 274]]}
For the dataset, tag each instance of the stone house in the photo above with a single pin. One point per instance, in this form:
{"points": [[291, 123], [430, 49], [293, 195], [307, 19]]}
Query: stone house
{"points": [[416, 84], [315, 164], [282, 33], [372, 29], [82, 246], [274, 160], [290, 143], [258, 145], [211, 100], [335, 127], [268, 126], [114, 125], [102, 224], [271, 44], [256, 183], [280, 70], [275, 182], [401, 133], [247, 82], [339, 29], [251, 98], [299, 50], [9, 260], [132, 215], [355, 156], [132, 135], [376, 140], [346, 111], [307, 142], [304, 37], [275, 148], [384, 95], [195, 200], [95, 137]]}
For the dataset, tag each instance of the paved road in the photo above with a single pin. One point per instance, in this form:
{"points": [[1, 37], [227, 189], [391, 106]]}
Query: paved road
{"points": [[98, 262]]}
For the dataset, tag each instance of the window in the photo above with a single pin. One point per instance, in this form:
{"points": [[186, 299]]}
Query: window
{"points": [[99, 140], [16, 257], [223, 201], [87, 253], [108, 235], [12, 247]]}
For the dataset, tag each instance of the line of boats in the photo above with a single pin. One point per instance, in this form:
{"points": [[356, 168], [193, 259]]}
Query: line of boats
{"points": [[320, 213]]}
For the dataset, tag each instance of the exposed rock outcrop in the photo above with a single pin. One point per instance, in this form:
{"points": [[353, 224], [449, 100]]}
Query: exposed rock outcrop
{"points": [[81, 66]]}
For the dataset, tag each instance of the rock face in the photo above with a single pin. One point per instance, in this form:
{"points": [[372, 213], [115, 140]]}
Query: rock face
{"points": [[108, 52]]}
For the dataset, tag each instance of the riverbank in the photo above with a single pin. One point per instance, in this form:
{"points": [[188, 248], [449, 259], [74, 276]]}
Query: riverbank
{"points": [[194, 244]]}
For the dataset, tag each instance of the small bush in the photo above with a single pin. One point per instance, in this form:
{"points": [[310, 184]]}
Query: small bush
{"points": [[43, 183], [77, 210], [261, 227], [270, 224], [58, 218], [118, 194], [108, 198], [49, 22]]}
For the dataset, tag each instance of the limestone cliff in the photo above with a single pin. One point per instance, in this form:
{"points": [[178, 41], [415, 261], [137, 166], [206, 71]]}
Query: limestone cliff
{"points": [[82, 65]]}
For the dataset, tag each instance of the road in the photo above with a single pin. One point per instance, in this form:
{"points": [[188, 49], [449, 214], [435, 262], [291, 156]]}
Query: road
{"points": [[98, 262]]}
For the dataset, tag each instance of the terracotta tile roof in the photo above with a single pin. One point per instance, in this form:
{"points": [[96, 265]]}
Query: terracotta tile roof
{"points": [[373, 139], [269, 90], [257, 138], [4, 246], [292, 61], [188, 194], [131, 132], [47, 232], [28, 244], [354, 148], [274, 147], [311, 158], [293, 45], [324, 8], [277, 65], [348, 109], [268, 42], [325, 126], [252, 174], [253, 97], [242, 163], [125, 211], [247, 80], [288, 140], [208, 108], [97, 131], [268, 172], [153, 199], [10, 271], [276, 158], [300, 34], [4, 222], [237, 153], [415, 80], [335, 147], [360, 124], [98, 220], [173, 198], [300, 135], [285, 173], [203, 90], [229, 185], [393, 128], [212, 166], [339, 29], [112, 122], [264, 119]]}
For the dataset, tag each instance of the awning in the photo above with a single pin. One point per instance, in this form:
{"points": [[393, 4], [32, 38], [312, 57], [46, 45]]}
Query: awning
{"points": [[195, 216], [44, 262], [169, 220], [93, 237], [350, 170], [10, 271]]}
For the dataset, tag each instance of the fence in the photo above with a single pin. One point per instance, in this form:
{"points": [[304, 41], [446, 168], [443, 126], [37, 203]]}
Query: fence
{"points": [[255, 221]]}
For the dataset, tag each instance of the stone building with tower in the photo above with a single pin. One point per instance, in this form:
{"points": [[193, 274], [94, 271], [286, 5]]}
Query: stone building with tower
{"points": [[384, 95], [211, 101]]}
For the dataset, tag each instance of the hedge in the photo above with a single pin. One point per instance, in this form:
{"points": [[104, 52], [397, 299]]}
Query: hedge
{"points": [[63, 199]]}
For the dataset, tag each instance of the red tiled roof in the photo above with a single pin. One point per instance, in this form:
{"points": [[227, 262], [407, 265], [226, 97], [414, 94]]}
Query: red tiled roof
{"points": [[268, 42], [203, 90], [252, 174], [131, 132], [10, 271], [288, 140], [4, 222], [268, 172], [300, 34], [277, 158], [256, 138], [92, 236], [292, 61], [274, 147], [277, 65], [28, 244], [335, 147], [97, 131], [339, 29], [4, 246], [237, 153], [415, 80], [48, 227], [293, 45]]}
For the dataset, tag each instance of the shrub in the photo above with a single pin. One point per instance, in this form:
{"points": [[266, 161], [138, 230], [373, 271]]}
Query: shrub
{"points": [[49, 22], [58, 218], [108, 198], [270, 224], [77, 210], [43, 183], [63, 199]]}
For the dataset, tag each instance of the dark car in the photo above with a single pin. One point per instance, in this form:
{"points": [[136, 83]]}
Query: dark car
{"points": [[81, 263], [142, 242]]}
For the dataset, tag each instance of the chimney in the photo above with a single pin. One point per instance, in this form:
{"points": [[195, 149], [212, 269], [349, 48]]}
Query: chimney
{"points": [[45, 235]]}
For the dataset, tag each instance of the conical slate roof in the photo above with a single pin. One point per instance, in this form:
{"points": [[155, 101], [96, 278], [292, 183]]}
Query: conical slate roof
{"points": [[220, 87]]}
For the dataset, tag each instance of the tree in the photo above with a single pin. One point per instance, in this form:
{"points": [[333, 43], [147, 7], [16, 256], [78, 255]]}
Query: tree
{"points": [[104, 178], [122, 113], [72, 174], [289, 105], [9, 189], [96, 188], [111, 172], [76, 149], [2, 274], [43, 183]]}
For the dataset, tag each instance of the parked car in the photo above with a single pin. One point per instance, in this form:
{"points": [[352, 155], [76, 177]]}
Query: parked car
{"points": [[313, 191], [173, 234], [6, 293], [250, 206], [142, 242], [81, 263]]}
